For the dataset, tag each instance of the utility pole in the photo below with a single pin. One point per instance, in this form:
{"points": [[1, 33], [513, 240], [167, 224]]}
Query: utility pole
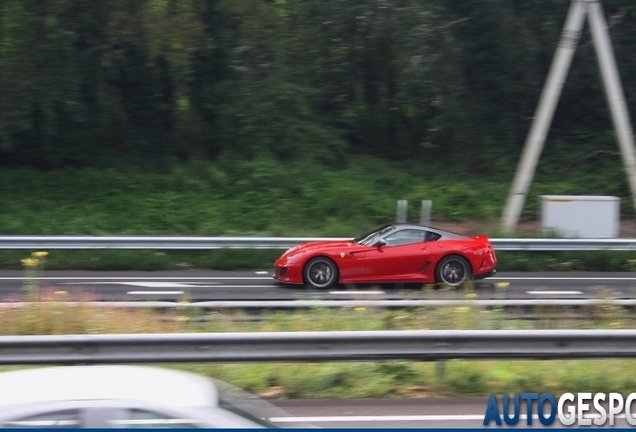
{"points": [[579, 10]]}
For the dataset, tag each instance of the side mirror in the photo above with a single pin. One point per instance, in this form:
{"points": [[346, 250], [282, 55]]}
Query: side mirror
{"points": [[380, 243]]}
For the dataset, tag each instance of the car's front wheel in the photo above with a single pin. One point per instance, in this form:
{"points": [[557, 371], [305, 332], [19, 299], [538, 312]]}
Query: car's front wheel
{"points": [[320, 273], [453, 270]]}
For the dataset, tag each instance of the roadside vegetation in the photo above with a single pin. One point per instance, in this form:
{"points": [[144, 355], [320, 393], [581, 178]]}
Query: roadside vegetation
{"points": [[267, 198], [46, 315], [299, 118]]}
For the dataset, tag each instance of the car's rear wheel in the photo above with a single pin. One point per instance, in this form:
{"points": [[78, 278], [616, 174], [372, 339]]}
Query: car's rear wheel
{"points": [[320, 273], [453, 270]]}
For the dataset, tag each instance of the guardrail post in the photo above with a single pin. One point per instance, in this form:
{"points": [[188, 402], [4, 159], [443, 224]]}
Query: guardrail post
{"points": [[425, 214], [440, 369], [402, 206]]}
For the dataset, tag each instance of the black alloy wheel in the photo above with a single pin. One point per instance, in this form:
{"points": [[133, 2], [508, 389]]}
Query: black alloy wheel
{"points": [[453, 270], [321, 273]]}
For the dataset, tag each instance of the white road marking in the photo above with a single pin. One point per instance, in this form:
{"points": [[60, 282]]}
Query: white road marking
{"points": [[146, 284], [261, 272], [110, 278], [356, 292], [554, 292], [193, 278], [565, 278], [154, 292], [168, 285], [377, 418], [432, 417]]}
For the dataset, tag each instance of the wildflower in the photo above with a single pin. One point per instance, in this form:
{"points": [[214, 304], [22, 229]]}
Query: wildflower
{"points": [[462, 309], [29, 262], [39, 254]]}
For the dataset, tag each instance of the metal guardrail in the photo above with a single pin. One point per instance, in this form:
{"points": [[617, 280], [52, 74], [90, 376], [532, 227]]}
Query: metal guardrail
{"points": [[303, 304], [184, 243], [536, 244], [151, 242], [318, 346]]}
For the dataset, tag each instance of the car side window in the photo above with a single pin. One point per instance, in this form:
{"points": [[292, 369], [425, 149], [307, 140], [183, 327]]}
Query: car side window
{"points": [[431, 236], [66, 419], [406, 237], [137, 418]]}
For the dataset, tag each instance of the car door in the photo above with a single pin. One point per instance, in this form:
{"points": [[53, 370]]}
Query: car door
{"points": [[402, 257]]}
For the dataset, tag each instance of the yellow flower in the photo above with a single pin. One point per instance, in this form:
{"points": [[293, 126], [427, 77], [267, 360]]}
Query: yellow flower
{"points": [[29, 262], [39, 254], [462, 309]]}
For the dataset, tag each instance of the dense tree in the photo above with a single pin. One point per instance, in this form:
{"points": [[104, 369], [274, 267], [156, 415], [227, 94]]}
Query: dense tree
{"points": [[132, 81]]}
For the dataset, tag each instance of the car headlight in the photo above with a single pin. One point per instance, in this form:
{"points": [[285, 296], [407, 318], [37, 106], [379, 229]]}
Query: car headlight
{"points": [[292, 257]]}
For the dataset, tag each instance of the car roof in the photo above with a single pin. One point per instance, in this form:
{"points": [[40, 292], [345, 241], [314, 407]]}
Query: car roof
{"points": [[448, 235], [409, 225], [151, 384]]}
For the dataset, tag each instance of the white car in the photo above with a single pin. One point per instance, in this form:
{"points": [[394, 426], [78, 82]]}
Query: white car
{"points": [[126, 397]]}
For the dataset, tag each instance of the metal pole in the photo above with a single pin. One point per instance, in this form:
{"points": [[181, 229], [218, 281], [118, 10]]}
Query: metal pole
{"points": [[544, 114], [613, 91], [402, 206], [425, 214]]}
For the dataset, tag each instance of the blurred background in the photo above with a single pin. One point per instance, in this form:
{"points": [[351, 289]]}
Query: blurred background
{"points": [[291, 117], [305, 118]]}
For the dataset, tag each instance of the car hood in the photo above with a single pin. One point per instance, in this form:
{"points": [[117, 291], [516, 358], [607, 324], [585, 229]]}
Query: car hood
{"points": [[323, 245]]}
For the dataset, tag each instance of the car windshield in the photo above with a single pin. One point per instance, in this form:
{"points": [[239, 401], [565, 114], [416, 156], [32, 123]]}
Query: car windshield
{"points": [[370, 238], [251, 406]]}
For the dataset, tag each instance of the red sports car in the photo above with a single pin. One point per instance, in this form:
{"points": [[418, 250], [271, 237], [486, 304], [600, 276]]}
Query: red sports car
{"points": [[391, 253]]}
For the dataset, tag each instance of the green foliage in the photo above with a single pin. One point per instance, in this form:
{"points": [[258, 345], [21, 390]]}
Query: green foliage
{"points": [[463, 379], [262, 196], [49, 315], [401, 372], [448, 84]]}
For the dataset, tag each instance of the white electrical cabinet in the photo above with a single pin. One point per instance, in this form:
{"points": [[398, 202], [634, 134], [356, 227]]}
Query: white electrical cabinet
{"points": [[580, 216]]}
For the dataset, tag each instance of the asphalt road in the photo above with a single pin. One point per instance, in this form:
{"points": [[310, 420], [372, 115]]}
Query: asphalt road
{"points": [[251, 285], [407, 413]]}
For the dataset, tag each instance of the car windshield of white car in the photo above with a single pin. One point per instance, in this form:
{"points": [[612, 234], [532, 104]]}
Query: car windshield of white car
{"points": [[247, 405]]}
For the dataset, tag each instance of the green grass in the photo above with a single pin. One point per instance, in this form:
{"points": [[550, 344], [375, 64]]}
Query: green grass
{"points": [[264, 197], [248, 259], [267, 197], [351, 379]]}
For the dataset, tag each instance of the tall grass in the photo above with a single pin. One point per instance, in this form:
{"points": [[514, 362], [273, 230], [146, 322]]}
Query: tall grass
{"points": [[49, 315], [261, 196]]}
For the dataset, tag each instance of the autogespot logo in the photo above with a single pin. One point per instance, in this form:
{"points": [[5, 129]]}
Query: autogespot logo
{"points": [[582, 409]]}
